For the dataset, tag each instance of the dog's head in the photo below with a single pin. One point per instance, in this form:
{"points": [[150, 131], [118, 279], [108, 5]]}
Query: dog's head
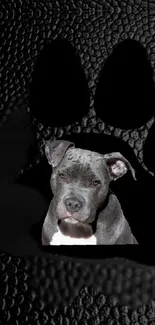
{"points": [[80, 179]]}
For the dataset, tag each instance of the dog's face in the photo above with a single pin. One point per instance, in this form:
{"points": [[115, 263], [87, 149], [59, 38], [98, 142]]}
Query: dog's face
{"points": [[80, 184], [80, 180]]}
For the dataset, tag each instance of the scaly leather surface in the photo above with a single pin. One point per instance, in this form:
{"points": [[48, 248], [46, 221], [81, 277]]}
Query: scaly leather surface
{"points": [[25, 28]]}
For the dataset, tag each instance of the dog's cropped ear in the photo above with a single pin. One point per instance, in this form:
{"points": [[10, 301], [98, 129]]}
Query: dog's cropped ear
{"points": [[55, 150], [118, 165]]}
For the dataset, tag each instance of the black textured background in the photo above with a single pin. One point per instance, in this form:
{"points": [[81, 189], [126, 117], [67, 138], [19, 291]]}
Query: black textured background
{"points": [[25, 28]]}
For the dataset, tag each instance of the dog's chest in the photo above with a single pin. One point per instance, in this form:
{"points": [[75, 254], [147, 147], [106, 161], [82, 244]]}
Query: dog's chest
{"points": [[60, 239]]}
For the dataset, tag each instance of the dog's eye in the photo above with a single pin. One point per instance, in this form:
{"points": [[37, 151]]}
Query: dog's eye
{"points": [[62, 175], [96, 182]]}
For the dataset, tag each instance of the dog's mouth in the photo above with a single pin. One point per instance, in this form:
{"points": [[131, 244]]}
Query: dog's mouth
{"points": [[74, 228], [72, 225], [68, 222], [69, 217]]}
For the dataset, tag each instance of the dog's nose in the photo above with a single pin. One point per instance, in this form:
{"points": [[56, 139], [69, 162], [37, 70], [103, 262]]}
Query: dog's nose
{"points": [[73, 204]]}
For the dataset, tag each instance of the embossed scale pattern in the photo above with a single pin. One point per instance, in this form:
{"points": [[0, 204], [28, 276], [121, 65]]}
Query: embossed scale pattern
{"points": [[98, 26], [47, 290]]}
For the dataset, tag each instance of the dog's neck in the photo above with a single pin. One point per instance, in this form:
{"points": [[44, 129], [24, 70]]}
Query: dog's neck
{"points": [[101, 208]]}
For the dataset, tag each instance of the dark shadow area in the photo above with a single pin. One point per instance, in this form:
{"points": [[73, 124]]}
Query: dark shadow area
{"points": [[59, 93], [38, 177], [21, 209], [125, 91], [139, 253]]}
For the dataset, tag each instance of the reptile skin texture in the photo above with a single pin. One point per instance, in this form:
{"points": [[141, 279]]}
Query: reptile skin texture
{"points": [[54, 289]]}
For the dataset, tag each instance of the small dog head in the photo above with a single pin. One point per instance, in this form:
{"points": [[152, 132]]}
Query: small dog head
{"points": [[80, 179]]}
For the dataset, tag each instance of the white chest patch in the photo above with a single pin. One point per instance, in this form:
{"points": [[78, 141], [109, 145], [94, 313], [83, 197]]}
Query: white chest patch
{"points": [[60, 239]]}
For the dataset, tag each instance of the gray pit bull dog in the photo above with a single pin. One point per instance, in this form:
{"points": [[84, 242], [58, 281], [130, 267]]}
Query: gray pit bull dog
{"points": [[83, 210]]}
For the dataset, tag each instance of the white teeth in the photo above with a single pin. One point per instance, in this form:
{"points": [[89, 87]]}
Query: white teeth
{"points": [[69, 214], [70, 220]]}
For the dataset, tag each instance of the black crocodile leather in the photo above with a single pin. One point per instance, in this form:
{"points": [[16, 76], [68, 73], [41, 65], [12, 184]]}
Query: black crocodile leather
{"points": [[97, 28], [93, 28], [50, 290]]}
